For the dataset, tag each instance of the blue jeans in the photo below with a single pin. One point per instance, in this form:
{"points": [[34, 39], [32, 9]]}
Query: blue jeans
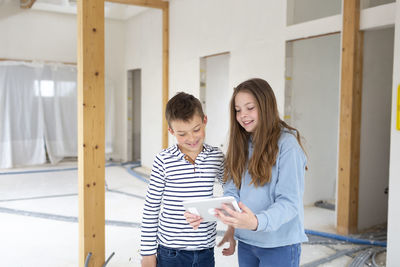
{"points": [[252, 256], [169, 257]]}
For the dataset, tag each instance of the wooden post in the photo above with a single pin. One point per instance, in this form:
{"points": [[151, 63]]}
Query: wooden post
{"points": [[165, 71], [350, 119], [91, 131]]}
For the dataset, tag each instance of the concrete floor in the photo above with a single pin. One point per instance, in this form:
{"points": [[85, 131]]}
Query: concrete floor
{"points": [[38, 215]]}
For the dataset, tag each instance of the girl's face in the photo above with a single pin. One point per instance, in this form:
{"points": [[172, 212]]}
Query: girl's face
{"points": [[246, 111]]}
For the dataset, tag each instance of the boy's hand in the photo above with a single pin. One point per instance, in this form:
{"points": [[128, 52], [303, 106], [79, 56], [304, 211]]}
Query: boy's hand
{"points": [[193, 219], [245, 219], [149, 261], [228, 237]]}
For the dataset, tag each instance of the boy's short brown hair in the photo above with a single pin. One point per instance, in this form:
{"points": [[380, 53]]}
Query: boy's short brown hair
{"points": [[183, 107]]}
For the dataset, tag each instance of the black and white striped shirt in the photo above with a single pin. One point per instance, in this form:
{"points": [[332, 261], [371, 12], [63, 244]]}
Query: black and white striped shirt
{"points": [[173, 180]]}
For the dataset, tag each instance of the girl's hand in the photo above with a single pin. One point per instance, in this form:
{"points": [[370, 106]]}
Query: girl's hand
{"points": [[193, 219], [245, 219], [228, 237]]}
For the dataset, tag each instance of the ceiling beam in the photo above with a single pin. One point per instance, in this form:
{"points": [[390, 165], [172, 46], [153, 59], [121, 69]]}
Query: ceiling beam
{"points": [[145, 3], [26, 3]]}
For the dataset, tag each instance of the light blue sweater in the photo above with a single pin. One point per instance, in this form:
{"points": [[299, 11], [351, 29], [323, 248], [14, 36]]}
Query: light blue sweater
{"points": [[278, 204]]}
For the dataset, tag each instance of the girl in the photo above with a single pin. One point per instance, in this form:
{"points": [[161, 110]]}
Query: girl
{"points": [[264, 171]]}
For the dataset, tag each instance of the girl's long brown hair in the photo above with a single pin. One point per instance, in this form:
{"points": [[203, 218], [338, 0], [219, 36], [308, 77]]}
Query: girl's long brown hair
{"points": [[264, 138]]}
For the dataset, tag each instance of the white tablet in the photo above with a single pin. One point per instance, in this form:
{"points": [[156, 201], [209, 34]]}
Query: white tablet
{"points": [[205, 207]]}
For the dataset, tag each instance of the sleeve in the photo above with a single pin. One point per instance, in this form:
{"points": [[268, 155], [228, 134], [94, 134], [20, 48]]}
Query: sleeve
{"points": [[231, 190], [221, 168], [151, 210], [288, 190]]}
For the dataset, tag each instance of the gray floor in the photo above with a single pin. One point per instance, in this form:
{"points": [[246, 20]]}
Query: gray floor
{"points": [[38, 215]]}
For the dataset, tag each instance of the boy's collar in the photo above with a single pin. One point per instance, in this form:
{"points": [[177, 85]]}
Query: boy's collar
{"points": [[177, 152]]}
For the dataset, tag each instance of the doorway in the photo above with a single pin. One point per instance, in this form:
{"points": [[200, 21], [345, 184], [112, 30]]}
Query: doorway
{"points": [[215, 96], [134, 114], [312, 106], [375, 127]]}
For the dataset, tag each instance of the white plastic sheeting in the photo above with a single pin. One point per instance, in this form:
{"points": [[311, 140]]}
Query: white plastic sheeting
{"points": [[38, 113]]}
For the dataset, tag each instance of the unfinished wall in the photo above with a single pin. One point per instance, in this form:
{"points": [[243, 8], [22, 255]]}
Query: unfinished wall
{"points": [[28, 34], [375, 127], [253, 33], [143, 51]]}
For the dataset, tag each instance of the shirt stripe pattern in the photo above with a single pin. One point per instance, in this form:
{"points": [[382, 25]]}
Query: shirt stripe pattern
{"points": [[173, 180]]}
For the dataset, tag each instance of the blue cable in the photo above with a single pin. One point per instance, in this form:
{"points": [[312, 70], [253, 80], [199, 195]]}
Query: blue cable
{"points": [[347, 238]]}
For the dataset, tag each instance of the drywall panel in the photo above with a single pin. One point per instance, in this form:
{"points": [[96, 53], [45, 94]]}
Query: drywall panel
{"points": [[393, 255], [252, 32], [313, 108], [34, 35], [375, 127], [115, 76], [144, 51]]}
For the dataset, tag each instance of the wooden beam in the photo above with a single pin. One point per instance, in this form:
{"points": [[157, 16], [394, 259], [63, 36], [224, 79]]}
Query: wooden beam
{"points": [[91, 131], [165, 71], [350, 119], [145, 3], [26, 3]]}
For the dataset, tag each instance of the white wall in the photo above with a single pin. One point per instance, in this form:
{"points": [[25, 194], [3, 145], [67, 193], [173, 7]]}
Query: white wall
{"points": [[144, 51], [27, 34], [114, 35], [393, 255], [375, 127], [253, 33]]}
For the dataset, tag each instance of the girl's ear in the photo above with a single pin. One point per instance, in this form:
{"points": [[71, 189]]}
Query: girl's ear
{"points": [[205, 120]]}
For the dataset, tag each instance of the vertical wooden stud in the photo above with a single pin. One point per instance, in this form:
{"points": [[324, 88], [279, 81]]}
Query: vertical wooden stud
{"points": [[350, 119], [165, 71], [91, 131]]}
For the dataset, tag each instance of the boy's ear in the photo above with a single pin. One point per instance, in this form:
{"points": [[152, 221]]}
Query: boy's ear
{"points": [[205, 119], [170, 130]]}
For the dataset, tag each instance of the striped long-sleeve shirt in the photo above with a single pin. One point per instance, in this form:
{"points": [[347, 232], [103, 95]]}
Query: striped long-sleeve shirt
{"points": [[173, 180]]}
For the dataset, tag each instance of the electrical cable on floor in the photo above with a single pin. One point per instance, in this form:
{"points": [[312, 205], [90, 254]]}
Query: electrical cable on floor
{"points": [[109, 258], [361, 258], [332, 257], [373, 261]]}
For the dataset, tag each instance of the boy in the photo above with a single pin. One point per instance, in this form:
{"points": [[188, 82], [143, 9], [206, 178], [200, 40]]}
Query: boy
{"points": [[181, 172]]}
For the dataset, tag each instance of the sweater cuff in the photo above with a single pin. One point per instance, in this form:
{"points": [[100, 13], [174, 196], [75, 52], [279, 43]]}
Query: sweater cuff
{"points": [[262, 222], [148, 252]]}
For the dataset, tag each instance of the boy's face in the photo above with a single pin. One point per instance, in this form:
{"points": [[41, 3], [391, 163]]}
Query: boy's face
{"points": [[189, 135]]}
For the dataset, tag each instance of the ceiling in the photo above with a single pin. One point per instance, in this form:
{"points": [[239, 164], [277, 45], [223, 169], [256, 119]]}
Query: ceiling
{"points": [[111, 10]]}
